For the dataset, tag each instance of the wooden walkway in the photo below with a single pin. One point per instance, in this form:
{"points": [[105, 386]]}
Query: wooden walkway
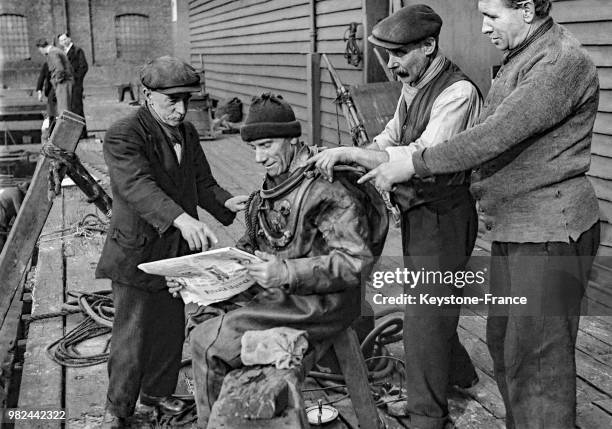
{"points": [[68, 263]]}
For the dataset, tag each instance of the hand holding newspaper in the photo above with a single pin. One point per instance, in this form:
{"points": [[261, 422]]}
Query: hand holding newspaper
{"points": [[209, 277]]}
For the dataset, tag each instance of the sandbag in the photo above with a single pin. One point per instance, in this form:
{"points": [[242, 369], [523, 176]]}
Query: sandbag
{"points": [[232, 109]]}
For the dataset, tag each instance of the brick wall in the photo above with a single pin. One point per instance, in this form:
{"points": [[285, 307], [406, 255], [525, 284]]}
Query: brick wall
{"points": [[47, 18], [43, 17]]}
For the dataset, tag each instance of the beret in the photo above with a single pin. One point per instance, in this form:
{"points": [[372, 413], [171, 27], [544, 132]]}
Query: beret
{"points": [[169, 75], [408, 25]]}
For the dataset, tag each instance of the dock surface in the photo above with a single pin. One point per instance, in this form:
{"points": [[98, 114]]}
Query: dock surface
{"points": [[66, 262]]}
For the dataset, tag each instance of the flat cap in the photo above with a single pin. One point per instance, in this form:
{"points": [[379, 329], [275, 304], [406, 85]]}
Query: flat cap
{"points": [[169, 75], [408, 25]]}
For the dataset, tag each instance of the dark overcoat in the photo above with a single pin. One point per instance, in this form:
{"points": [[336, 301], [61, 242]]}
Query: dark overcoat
{"points": [[150, 189], [77, 59]]}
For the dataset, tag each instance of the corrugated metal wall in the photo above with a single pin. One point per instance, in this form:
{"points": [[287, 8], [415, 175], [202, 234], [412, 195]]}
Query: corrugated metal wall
{"points": [[251, 46], [591, 22]]}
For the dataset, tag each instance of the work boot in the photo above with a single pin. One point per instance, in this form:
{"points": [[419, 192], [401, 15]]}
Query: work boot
{"points": [[145, 417], [174, 406], [111, 421]]}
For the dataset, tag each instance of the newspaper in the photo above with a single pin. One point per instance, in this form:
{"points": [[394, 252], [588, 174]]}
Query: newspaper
{"points": [[209, 277]]}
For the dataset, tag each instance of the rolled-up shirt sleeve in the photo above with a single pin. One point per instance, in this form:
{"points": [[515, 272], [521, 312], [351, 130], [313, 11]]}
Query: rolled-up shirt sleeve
{"points": [[390, 136]]}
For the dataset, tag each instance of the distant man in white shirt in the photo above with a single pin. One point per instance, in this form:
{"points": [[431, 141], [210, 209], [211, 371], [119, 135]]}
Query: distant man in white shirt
{"points": [[439, 221], [77, 59]]}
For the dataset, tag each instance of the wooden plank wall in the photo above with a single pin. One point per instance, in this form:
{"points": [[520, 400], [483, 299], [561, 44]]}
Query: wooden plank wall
{"points": [[333, 18], [591, 22], [250, 46], [247, 47]]}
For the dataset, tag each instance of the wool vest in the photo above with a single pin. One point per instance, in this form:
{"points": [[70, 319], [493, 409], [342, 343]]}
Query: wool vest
{"points": [[444, 189]]}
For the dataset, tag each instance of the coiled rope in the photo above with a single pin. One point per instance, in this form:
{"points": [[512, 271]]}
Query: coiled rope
{"points": [[87, 227], [98, 310], [61, 159]]}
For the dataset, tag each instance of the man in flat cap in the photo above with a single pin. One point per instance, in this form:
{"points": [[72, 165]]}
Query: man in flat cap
{"points": [[159, 175], [439, 221], [530, 152], [318, 241], [60, 74]]}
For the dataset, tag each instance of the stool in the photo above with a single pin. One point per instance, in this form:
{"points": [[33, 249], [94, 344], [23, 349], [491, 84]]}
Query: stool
{"points": [[266, 397], [355, 371]]}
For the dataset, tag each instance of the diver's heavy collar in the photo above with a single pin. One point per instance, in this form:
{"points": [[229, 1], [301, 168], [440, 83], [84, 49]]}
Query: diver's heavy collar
{"points": [[297, 172]]}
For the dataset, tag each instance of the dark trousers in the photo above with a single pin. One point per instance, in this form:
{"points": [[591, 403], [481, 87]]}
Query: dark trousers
{"points": [[532, 345], [437, 239], [63, 95], [217, 332], [146, 347], [77, 102]]}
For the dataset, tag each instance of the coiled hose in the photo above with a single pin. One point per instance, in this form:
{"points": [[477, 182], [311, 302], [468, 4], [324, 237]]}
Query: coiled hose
{"points": [[381, 364]]}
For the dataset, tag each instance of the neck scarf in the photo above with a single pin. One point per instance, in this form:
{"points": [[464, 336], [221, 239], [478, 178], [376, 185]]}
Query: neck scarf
{"points": [[173, 134], [409, 91]]}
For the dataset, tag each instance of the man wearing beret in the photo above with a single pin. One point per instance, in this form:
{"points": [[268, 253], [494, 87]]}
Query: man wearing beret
{"points": [[159, 175], [530, 152], [439, 221], [318, 241]]}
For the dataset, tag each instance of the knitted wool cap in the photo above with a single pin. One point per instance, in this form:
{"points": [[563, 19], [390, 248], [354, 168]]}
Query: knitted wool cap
{"points": [[408, 25], [270, 117], [169, 75]]}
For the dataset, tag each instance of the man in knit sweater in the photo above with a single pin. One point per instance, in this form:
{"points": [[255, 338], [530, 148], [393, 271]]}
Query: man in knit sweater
{"points": [[530, 152], [439, 221]]}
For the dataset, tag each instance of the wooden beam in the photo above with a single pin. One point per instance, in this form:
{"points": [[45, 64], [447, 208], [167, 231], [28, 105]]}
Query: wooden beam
{"points": [[41, 382], [313, 89], [83, 400], [33, 214], [373, 12], [346, 346]]}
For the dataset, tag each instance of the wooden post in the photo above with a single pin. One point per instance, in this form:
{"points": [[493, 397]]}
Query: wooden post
{"points": [[346, 346], [383, 65], [313, 89], [33, 213], [373, 12]]}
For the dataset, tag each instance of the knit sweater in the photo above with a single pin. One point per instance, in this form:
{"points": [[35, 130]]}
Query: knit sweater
{"points": [[531, 148]]}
